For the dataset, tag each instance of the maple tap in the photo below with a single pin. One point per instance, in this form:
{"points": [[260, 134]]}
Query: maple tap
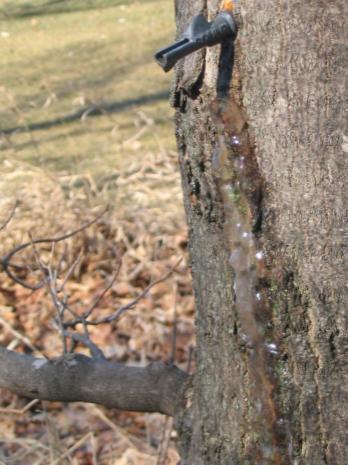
{"points": [[199, 34]]}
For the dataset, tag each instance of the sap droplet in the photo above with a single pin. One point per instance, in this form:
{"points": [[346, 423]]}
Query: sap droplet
{"points": [[259, 255], [239, 260], [239, 164], [235, 140], [258, 405], [268, 451], [247, 239], [258, 296], [216, 159], [272, 348]]}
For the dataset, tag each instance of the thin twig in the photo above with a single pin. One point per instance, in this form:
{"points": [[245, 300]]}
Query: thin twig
{"points": [[88, 312], [81, 319], [123, 309], [49, 281], [53, 249], [5, 261], [61, 259], [118, 313], [167, 431], [9, 218], [22, 338], [60, 313], [22, 411], [95, 410], [73, 448], [70, 272], [175, 325]]}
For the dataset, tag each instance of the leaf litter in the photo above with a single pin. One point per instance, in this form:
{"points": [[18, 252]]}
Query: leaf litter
{"points": [[146, 226]]}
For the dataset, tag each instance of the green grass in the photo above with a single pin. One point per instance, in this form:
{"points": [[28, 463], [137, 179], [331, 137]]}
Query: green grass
{"points": [[75, 75], [24, 8]]}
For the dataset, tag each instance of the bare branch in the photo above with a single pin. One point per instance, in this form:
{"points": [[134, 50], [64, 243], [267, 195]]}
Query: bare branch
{"points": [[5, 261], [75, 377], [118, 313], [49, 280], [59, 298], [86, 341], [69, 272], [88, 312]]}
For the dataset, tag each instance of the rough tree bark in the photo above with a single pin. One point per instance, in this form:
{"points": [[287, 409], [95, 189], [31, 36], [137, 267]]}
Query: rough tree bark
{"points": [[288, 405]]}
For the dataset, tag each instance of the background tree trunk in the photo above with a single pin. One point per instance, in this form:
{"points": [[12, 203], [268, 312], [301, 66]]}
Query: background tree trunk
{"points": [[288, 403]]}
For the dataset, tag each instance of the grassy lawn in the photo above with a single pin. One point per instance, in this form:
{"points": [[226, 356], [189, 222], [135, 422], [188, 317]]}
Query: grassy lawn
{"points": [[79, 90]]}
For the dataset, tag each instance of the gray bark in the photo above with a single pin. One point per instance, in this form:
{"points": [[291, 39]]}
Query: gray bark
{"points": [[289, 81], [75, 377]]}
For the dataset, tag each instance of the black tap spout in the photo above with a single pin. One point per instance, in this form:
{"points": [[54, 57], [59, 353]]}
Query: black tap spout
{"points": [[199, 34]]}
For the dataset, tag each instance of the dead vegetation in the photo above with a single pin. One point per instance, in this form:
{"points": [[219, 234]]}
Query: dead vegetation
{"points": [[150, 234]]}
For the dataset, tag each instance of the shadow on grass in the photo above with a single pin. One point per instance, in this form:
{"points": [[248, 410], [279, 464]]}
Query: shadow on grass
{"points": [[41, 8], [95, 110], [74, 133]]}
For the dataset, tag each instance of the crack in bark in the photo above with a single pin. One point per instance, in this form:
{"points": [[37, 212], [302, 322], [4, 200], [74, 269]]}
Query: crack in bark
{"points": [[317, 356]]}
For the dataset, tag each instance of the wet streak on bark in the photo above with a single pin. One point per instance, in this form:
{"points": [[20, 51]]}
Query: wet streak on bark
{"points": [[239, 185]]}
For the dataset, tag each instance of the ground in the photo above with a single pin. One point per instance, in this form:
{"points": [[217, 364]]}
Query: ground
{"points": [[85, 122]]}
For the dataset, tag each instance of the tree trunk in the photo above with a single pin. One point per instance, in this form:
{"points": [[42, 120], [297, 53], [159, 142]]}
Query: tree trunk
{"points": [[262, 159]]}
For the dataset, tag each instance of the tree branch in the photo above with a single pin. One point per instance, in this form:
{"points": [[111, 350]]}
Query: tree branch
{"points": [[5, 262], [75, 377]]}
